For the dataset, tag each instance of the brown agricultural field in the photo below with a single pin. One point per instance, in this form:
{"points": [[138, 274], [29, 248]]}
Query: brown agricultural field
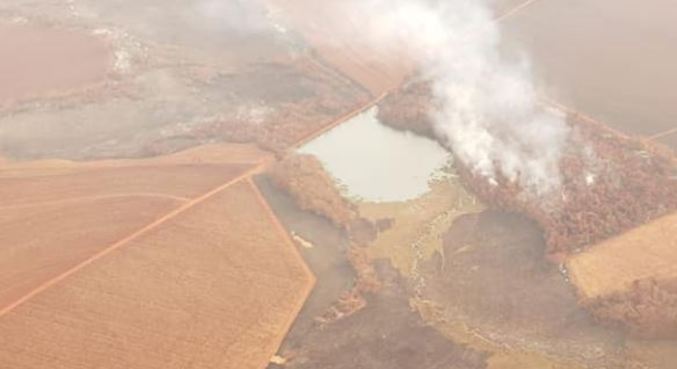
{"points": [[338, 40], [335, 32], [215, 284], [46, 61], [632, 279], [586, 53], [646, 251], [57, 214]]}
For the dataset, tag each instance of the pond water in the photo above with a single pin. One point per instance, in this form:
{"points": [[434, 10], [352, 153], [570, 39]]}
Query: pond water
{"points": [[374, 162]]}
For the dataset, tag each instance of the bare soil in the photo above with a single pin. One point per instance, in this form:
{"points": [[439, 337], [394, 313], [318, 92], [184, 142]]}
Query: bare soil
{"points": [[613, 62], [189, 293], [39, 61], [56, 215]]}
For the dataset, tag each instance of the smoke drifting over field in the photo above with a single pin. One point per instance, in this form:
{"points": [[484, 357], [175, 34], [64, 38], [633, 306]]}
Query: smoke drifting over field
{"points": [[241, 16], [487, 108], [486, 105]]}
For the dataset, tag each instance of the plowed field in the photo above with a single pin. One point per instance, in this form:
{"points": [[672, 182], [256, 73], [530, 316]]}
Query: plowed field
{"points": [[649, 251], [214, 282], [56, 215]]}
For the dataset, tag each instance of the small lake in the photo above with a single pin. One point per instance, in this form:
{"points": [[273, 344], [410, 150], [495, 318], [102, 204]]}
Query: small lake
{"points": [[376, 163]]}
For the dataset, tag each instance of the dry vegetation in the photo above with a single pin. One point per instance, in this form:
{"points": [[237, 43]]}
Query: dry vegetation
{"points": [[647, 309], [366, 282], [418, 225], [408, 109], [291, 122], [189, 293], [113, 69], [632, 180], [611, 184], [304, 178], [313, 189], [631, 279]]}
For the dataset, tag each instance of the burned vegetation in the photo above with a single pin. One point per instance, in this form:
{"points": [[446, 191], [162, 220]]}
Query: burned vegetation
{"points": [[610, 183], [648, 309]]}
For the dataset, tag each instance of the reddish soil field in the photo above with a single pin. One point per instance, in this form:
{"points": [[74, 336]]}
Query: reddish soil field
{"points": [[175, 182], [38, 243], [39, 60], [56, 215], [646, 251], [188, 293]]}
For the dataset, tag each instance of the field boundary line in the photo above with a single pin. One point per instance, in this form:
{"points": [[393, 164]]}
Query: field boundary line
{"points": [[375, 101], [277, 223], [282, 230], [95, 198], [518, 8], [338, 121], [147, 228], [582, 116], [663, 134]]}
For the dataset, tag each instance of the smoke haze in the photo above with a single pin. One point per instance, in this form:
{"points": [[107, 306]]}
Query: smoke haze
{"points": [[487, 106], [488, 110], [241, 16]]}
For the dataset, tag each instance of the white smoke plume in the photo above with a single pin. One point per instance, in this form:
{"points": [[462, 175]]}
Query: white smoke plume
{"points": [[489, 111], [240, 16]]}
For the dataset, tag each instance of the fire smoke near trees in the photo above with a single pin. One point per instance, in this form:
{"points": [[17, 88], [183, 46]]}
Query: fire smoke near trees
{"points": [[487, 108]]}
